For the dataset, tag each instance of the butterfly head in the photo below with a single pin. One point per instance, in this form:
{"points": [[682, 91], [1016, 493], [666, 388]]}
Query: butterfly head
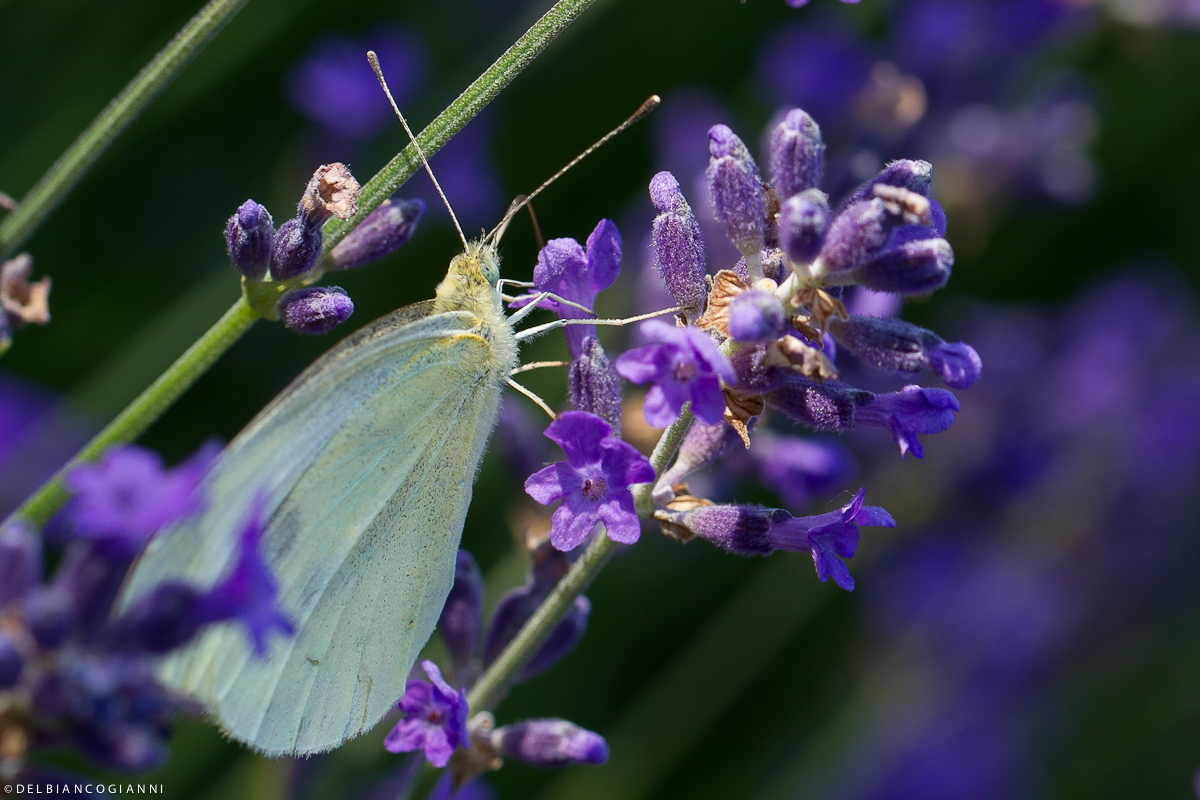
{"points": [[471, 279]]}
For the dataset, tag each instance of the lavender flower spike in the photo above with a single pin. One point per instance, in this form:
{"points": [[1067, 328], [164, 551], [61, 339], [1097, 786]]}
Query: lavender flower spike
{"points": [[897, 345], [908, 412], [315, 310], [435, 719], [737, 195], [248, 238], [758, 531], [550, 743], [685, 366], [383, 231], [678, 246], [593, 483], [796, 154]]}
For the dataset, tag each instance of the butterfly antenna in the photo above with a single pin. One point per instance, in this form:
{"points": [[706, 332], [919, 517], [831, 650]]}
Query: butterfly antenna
{"points": [[643, 110], [374, 59]]}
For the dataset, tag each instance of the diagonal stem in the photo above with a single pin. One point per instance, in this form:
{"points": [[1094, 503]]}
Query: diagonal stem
{"points": [[493, 683], [161, 394], [62, 176]]}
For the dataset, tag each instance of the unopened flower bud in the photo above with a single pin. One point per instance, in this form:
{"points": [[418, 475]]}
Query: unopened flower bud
{"points": [[49, 615], [736, 190], [910, 268], [797, 154], [828, 406], [916, 176], [384, 230], [856, 235], [901, 346], [296, 249], [561, 641], [702, 445], [10, 663], [593, 385], [756, 316], [315, 310], [463, 612], [20, 561], [550, 743], [248, 238], [803, 224], [678, 246]]}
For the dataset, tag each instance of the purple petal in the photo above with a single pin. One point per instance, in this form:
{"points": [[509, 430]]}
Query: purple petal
{"points": [[604, 255], [620, 519], [550, 483], [568, 528], [708, 402], [578, 434], [642, 364]]}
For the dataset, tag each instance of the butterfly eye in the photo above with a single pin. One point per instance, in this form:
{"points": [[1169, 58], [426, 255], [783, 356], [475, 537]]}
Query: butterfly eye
{"points": [[490, 267]]}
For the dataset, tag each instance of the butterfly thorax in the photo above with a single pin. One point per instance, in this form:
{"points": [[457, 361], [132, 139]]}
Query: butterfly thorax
{"points": [[469, 285]]}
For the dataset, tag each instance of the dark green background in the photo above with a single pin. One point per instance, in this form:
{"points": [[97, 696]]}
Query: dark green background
{"points": [[709, 673]]}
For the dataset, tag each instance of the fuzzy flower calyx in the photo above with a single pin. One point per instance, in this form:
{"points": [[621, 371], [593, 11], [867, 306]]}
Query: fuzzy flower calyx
{"points": [[677, 245]]}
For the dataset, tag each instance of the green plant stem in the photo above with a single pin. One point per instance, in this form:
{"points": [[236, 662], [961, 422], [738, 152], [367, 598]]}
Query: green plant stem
{"points": [[160, 395], [148, 406], [62, 176], [491, 686]]}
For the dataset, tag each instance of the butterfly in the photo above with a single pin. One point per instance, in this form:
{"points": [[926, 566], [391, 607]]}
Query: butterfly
{"points": [[364, 465]]}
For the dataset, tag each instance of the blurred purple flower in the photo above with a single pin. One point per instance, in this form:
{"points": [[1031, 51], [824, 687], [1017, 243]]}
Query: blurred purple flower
{"points": [[820, 71], [333, 84], [796, 469], [435, 719], [128, 496], [593, 483], [468, 175], [685, 366]]}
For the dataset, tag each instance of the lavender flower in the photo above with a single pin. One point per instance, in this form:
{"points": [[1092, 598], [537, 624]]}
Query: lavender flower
{"points": [[128, 496], [20, 560], [315, 310], [796, 469], [331, 192], [550, 743], [382, 232], [435, 719], [803, 224], [249, 235], [796, 154], [736, 190], [462, 614], [593, 385], [756, 316], [574, 274], [593, 483], [685, 366], [758, 531], [678, 246], [910, 411], [903, 347]]}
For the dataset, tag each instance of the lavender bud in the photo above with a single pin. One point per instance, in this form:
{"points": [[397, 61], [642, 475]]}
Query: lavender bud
{"points": [[10, 663], [20, 561], [702, 445], [463, 612], [50, 616], [160, 621], [756, 316], [829, 406], [550, 743], [248, 238], [296, 249], [797, 154], [803, 223], [561, 641], [909, 268], [916, 176], [744, 530], [593, 385], [856, 235], [736, 190], [315, 310], [383, 231], [678, 247], [896, 345]]}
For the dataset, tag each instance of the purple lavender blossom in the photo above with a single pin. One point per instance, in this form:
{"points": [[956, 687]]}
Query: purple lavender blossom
{"points": [[678, 246], [574, 274], [756, 316], [334, 85], [435, 719], [803, 225], [128, 496], [382, 232], [797, 469], [462, 615], [796, 154], [736, 190], [758, 531], [593, 483], [20, 560], [593, 385], [550, 743], [908, 412], [685, 366], [248, 238], [315, 310], [901, 346]]}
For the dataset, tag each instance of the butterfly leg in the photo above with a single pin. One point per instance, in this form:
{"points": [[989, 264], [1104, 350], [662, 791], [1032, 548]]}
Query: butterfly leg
{"points": [[538, 330], [528, 393], [526, 310]]}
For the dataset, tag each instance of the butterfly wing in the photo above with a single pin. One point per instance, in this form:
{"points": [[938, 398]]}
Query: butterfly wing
{"points": [[367, 461]]}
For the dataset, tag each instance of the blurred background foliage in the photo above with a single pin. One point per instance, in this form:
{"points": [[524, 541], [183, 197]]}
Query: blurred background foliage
{"points": [[711, 676]]}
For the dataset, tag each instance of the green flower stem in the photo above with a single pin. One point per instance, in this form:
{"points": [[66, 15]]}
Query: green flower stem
{"points": [[489, 689], [161, 394], [18, 226], [147, 408]]}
